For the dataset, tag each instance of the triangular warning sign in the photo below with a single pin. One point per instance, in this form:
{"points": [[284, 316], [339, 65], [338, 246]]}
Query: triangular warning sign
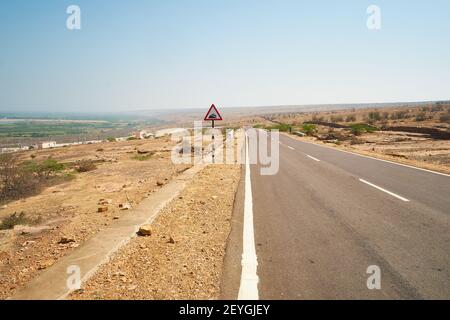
{"points": [[213, 114]]}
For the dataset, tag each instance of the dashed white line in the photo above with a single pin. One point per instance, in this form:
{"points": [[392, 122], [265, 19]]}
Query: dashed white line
{"points": [[384, 190], [311, 157], [373, 158], [292, 148], [248, 289]]}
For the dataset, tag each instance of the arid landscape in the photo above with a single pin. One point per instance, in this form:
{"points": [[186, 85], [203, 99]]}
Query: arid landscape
{"points": [[54, 201], [60, 217], [414, 135]]}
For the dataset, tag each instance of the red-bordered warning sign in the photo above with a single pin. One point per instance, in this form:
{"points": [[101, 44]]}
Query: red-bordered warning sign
{"points": [[213, 114]]}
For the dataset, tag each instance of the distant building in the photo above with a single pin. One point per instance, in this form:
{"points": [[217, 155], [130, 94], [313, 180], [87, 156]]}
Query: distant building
{"points": [[143, 134], [10, 150], [48, 144]]}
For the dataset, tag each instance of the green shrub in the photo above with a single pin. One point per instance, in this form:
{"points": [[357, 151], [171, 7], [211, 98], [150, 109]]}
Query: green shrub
{"points": [[309, 129], [360, 128], [283, 127]]}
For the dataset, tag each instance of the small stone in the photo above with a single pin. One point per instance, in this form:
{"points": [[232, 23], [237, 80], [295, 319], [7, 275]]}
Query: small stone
{"points": [[104, 202], [145, 230], [46, 264], [102, 209], [159, 183], [171, 240], [116, 218], [65, 240], [124, 206]]}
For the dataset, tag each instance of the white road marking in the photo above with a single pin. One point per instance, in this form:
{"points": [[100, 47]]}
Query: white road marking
{"points": [[292, 148], [384, 190], [248, 289], [373, 158], [315, 159]]}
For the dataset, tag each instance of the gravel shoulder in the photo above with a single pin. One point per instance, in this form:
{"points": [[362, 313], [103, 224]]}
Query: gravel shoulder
{"points": [[183, 257]]}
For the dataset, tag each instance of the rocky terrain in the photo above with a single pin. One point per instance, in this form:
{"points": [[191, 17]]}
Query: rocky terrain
{"points": [[64, 215], [180, 256]]}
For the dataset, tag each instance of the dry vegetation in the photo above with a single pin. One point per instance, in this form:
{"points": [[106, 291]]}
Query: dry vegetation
{"points": [[416, 135]]}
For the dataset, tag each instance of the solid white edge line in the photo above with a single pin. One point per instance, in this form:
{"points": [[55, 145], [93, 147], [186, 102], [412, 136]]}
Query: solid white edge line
{"points": [[315, 159], [248, 289], [369, 157], [384, 190]]}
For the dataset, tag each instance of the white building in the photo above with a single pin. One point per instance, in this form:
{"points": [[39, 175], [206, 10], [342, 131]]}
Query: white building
{"points": [[48, 144]]}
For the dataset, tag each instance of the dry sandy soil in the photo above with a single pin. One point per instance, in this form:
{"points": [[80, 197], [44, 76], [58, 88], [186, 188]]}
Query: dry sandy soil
{"points": [[71, 209], [183, 257]]}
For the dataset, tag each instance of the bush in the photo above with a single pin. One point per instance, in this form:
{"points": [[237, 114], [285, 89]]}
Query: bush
{"points": [[421, 116], [15, 181], [444, 118], [18, 180], [360, 128], [142, 157], [13, 220], [281, 127], [336, 119], [85, 166], [309, 129], [350, 118], [111, 139]]}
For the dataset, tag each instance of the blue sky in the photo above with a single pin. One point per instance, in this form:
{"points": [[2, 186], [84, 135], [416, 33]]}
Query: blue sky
{"points": [[132, 55]]}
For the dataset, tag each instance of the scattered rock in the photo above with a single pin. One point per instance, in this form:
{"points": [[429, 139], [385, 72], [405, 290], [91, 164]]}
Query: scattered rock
{"points": [[116, 218], [159, 183], [65, 240], [171, 241], [46, 264], [102, 209], [27, 230], [124, 206], [26, 243], [103, 202], [145, 230]]}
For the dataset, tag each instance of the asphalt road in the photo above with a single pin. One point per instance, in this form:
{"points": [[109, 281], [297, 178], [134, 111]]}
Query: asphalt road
{"points": [[327, 215]]}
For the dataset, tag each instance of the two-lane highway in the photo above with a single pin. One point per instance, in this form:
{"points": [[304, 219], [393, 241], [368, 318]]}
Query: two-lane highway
{"points": [[328, 215]]}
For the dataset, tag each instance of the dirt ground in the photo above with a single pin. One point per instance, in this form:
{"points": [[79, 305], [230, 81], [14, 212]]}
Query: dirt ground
{"points": [[183, 257], [71, 209]]}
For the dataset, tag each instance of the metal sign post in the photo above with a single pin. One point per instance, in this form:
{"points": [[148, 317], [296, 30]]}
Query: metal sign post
{"points": [[213, 115]]}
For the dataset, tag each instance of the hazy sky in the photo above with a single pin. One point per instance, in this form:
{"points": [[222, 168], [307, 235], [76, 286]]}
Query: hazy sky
{"points": [[138, 54]]}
